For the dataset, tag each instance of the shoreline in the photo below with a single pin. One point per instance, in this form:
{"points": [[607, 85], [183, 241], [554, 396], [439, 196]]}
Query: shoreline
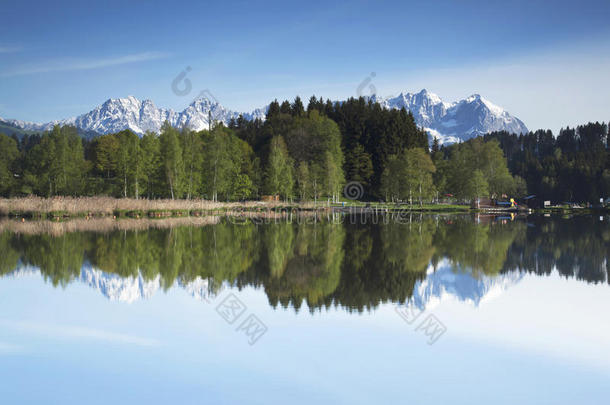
{"points": [[103, 207], [57, 208]]}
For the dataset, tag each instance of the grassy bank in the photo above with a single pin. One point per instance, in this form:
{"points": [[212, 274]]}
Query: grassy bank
{"points": [[403, 207], [86, 207], [70, 207], [63, 207]]}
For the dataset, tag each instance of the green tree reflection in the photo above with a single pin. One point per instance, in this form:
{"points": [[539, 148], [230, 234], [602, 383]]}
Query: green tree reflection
{"points": [[355, 265]]}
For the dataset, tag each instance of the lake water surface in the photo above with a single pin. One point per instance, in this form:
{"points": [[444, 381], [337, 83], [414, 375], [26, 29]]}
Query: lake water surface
{"points": [[458, 309]]}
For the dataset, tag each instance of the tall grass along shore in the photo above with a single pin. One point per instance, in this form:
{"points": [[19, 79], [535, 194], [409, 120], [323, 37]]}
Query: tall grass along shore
{"points": [[108, 206]]}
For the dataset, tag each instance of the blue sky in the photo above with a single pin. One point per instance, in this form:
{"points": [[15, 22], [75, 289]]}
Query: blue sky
{"points": [[545, 62]]}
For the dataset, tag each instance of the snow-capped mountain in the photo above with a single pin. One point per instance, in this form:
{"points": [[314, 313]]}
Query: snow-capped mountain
{"points": [[427, 108], [141, 116], [450, 122], [458, 121]]}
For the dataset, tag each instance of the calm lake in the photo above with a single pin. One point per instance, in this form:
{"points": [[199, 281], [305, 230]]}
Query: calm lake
{"points": [[459, 309]]}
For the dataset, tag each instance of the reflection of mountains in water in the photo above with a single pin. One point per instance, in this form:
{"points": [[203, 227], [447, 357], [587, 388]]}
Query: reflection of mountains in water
{"points": [[445, 283], [356, 266], [439, 285], [127, 289]]}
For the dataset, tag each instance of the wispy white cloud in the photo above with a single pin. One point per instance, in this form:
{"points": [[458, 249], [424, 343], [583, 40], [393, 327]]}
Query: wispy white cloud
{"points": [[9, 49], [9, 348], [74, 64], [78, 332]]}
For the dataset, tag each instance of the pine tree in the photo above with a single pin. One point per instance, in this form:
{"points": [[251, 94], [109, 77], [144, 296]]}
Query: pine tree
{"points": [[192, 156], [297, 107], [359, 166], [150, 162], [314, 104], [9, 154], [274, 110], [285, 108]]}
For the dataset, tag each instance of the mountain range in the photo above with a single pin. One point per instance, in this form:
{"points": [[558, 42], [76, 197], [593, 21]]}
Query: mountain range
{"points": [[458, 121], [449, 122]]}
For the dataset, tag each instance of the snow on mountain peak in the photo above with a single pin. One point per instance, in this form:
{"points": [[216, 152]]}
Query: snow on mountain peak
{"points": [[449, 122], [458, 121], [492, 107], [435, 99]]}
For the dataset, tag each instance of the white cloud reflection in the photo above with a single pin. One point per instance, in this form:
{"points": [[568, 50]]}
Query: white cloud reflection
{"points": [[77, 332]]}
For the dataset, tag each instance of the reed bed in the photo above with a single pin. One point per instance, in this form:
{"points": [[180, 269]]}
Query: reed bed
{"points": [[109, 206], [100, 225]]}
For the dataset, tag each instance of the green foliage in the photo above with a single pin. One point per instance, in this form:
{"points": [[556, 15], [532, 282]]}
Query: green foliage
{"points": [[172, 162], [192, 149], [9, 153], [228, 166], [477, 249], [314, 147], [304, 181], [477, 168], [56, 165], [359, 135], [408, 175], [129, 163], [382, 133], [477, 186], [278, 175], [570, 167], [150, 165], [359, 166], [420, 169]]}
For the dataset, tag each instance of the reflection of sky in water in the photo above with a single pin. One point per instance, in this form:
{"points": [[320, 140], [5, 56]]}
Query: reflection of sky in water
{"points": [[530, 340]]}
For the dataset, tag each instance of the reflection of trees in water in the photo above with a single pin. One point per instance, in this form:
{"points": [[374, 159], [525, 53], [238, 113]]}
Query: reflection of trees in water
{"points": [[60, 259], [311, 267], [476, 248], [577, 247], [354, 265], [385, 263]]}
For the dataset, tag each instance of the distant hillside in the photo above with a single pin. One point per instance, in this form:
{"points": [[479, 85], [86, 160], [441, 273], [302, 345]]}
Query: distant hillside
{"points": [[10, 129]]}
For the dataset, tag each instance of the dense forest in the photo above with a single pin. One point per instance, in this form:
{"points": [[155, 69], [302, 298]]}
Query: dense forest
{"points": [[572, 166], [308, 153]]}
